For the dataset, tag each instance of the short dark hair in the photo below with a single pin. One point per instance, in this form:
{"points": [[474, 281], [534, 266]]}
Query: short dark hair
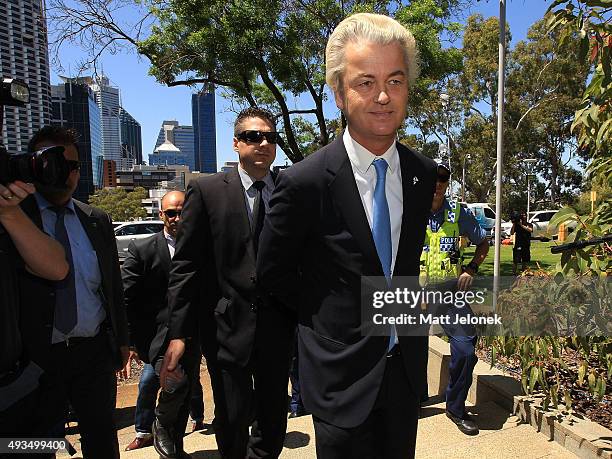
{"points": [[56, 134], [253, 112]]}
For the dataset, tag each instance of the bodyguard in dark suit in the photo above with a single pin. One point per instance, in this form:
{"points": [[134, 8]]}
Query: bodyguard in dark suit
{"points": [[357, 207], [76, 329], [214, 269], [145, 280]]}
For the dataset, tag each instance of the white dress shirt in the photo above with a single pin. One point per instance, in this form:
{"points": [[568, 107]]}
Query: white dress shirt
{"points": [[171, 243], [365, 178], [250, 192]]}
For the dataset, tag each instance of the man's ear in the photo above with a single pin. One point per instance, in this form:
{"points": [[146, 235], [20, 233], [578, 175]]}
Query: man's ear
{"points": [[339, 97], [235, 143]]}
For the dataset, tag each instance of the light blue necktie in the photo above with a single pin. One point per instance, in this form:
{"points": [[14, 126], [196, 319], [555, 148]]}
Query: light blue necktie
{"points": [[381, 228]]}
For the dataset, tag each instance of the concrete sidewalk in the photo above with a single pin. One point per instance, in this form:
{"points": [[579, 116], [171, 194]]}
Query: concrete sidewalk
{"points": [[501, 436]]}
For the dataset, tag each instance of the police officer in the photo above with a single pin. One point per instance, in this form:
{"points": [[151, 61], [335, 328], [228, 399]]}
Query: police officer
{"points": [[442, 260]]}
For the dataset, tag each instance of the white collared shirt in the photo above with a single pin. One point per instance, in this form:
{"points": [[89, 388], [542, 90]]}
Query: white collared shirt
{"points": [[171, 243], [365, 177], [250, 192]]}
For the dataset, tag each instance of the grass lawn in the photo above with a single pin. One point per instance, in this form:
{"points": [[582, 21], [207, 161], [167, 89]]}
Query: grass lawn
{"points": [[540, 255]]}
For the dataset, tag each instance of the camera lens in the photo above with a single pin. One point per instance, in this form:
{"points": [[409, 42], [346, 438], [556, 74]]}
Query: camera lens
{"points": [[47, 167]]}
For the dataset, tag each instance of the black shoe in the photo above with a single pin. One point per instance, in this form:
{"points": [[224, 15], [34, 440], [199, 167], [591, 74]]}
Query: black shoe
{"points": [[163, 442], [465, 424]]}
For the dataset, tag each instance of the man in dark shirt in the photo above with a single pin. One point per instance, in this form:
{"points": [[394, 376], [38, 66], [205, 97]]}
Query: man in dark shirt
{"points": [[521, 252]]}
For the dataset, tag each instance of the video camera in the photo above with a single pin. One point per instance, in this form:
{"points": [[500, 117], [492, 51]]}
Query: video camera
{"points": [[515, 217], [48, 166]]}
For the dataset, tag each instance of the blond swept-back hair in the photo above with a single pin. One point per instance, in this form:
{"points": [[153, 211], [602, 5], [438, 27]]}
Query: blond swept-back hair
{"points": [[375, 28]]}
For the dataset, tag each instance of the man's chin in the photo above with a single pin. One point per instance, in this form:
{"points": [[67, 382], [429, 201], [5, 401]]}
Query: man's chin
{"points": [[54, 194]]}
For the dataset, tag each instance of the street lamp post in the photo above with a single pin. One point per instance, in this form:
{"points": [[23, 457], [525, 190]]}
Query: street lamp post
{"points": [[445, 98], [465, 158], [530, 162]]}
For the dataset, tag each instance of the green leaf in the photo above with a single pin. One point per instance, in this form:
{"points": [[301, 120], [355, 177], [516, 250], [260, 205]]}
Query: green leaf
{"points": [[592, 379], [566, 213], [600, 389], [582, 372], [533, 378]]}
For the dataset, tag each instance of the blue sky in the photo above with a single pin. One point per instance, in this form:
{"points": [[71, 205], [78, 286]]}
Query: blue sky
{"points": [[151, 103]]}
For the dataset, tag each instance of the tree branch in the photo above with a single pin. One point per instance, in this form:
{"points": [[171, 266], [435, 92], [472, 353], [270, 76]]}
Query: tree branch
{"points": [[294, 148], [533, 107]]}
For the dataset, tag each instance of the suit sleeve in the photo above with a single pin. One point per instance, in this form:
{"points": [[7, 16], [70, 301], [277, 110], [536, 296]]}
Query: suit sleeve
{"points": [[187, 265], [133, 276], [282, 241], [121, 323]]}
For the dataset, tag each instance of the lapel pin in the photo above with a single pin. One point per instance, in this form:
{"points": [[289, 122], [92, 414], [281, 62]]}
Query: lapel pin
{"points": [[415, 180]]}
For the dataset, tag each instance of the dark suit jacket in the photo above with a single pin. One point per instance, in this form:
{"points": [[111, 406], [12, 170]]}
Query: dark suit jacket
{"points": [[213, 270], [37, 295], [145, 274], [315, 246]]}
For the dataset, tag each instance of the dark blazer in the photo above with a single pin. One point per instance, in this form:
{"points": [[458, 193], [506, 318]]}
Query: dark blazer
{"points": [[213, 270], [37, 295], [145, 273], [315, 246]]}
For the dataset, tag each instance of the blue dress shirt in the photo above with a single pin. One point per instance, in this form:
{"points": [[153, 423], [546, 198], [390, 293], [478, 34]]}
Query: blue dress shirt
{"points": [[87, 275]]}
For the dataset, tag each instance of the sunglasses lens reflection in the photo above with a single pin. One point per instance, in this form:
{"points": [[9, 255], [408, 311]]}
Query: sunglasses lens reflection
{"points": [[171, 213], [258, 136]]}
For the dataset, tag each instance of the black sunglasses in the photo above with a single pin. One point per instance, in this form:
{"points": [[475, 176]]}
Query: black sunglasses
{"points": [[443, 178], [73, 165], [258, 136], [171, 213]]}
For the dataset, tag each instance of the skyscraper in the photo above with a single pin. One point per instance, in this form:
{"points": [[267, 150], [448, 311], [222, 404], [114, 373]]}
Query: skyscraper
{"points": [[204, 130], [23, 55], [131, 138], [74, 106], [107, 98], [174, 145]]}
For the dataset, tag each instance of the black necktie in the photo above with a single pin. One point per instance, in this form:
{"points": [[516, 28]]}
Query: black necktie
{"points": [[259, 212], [65, 290]]}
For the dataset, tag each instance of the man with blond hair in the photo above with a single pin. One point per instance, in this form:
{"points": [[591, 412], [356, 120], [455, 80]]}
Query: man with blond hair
{"points": [[358, 207]]}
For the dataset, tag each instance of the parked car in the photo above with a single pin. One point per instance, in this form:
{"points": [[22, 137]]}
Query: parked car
{"points": [[484, 215], [541, 230], [131, 231]]}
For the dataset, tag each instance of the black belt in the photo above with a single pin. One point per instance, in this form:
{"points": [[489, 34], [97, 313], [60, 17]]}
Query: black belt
{"points": [[75, 340], [394, 351]]}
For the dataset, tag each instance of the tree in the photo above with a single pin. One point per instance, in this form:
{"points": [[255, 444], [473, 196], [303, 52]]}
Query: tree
{"points": [[120, 204], [262, 52], [588, 22], [545, 85], [542, 91], [475, 91]]}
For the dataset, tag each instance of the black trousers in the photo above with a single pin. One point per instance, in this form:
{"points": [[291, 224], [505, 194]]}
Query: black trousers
{"points": [[172, 410], [30, 418], [84, 375], [390, 430], [254, 395]]}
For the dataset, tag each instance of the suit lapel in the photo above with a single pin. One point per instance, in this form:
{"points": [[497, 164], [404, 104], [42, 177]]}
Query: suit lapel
{"points": [[346, 198], [410, 177], [236, 202], [90, 225], [163, 251]]}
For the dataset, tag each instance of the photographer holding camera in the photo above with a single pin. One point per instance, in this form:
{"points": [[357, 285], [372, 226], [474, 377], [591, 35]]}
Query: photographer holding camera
{"points": [[24, 387], [23, 393], [522, 230]]}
